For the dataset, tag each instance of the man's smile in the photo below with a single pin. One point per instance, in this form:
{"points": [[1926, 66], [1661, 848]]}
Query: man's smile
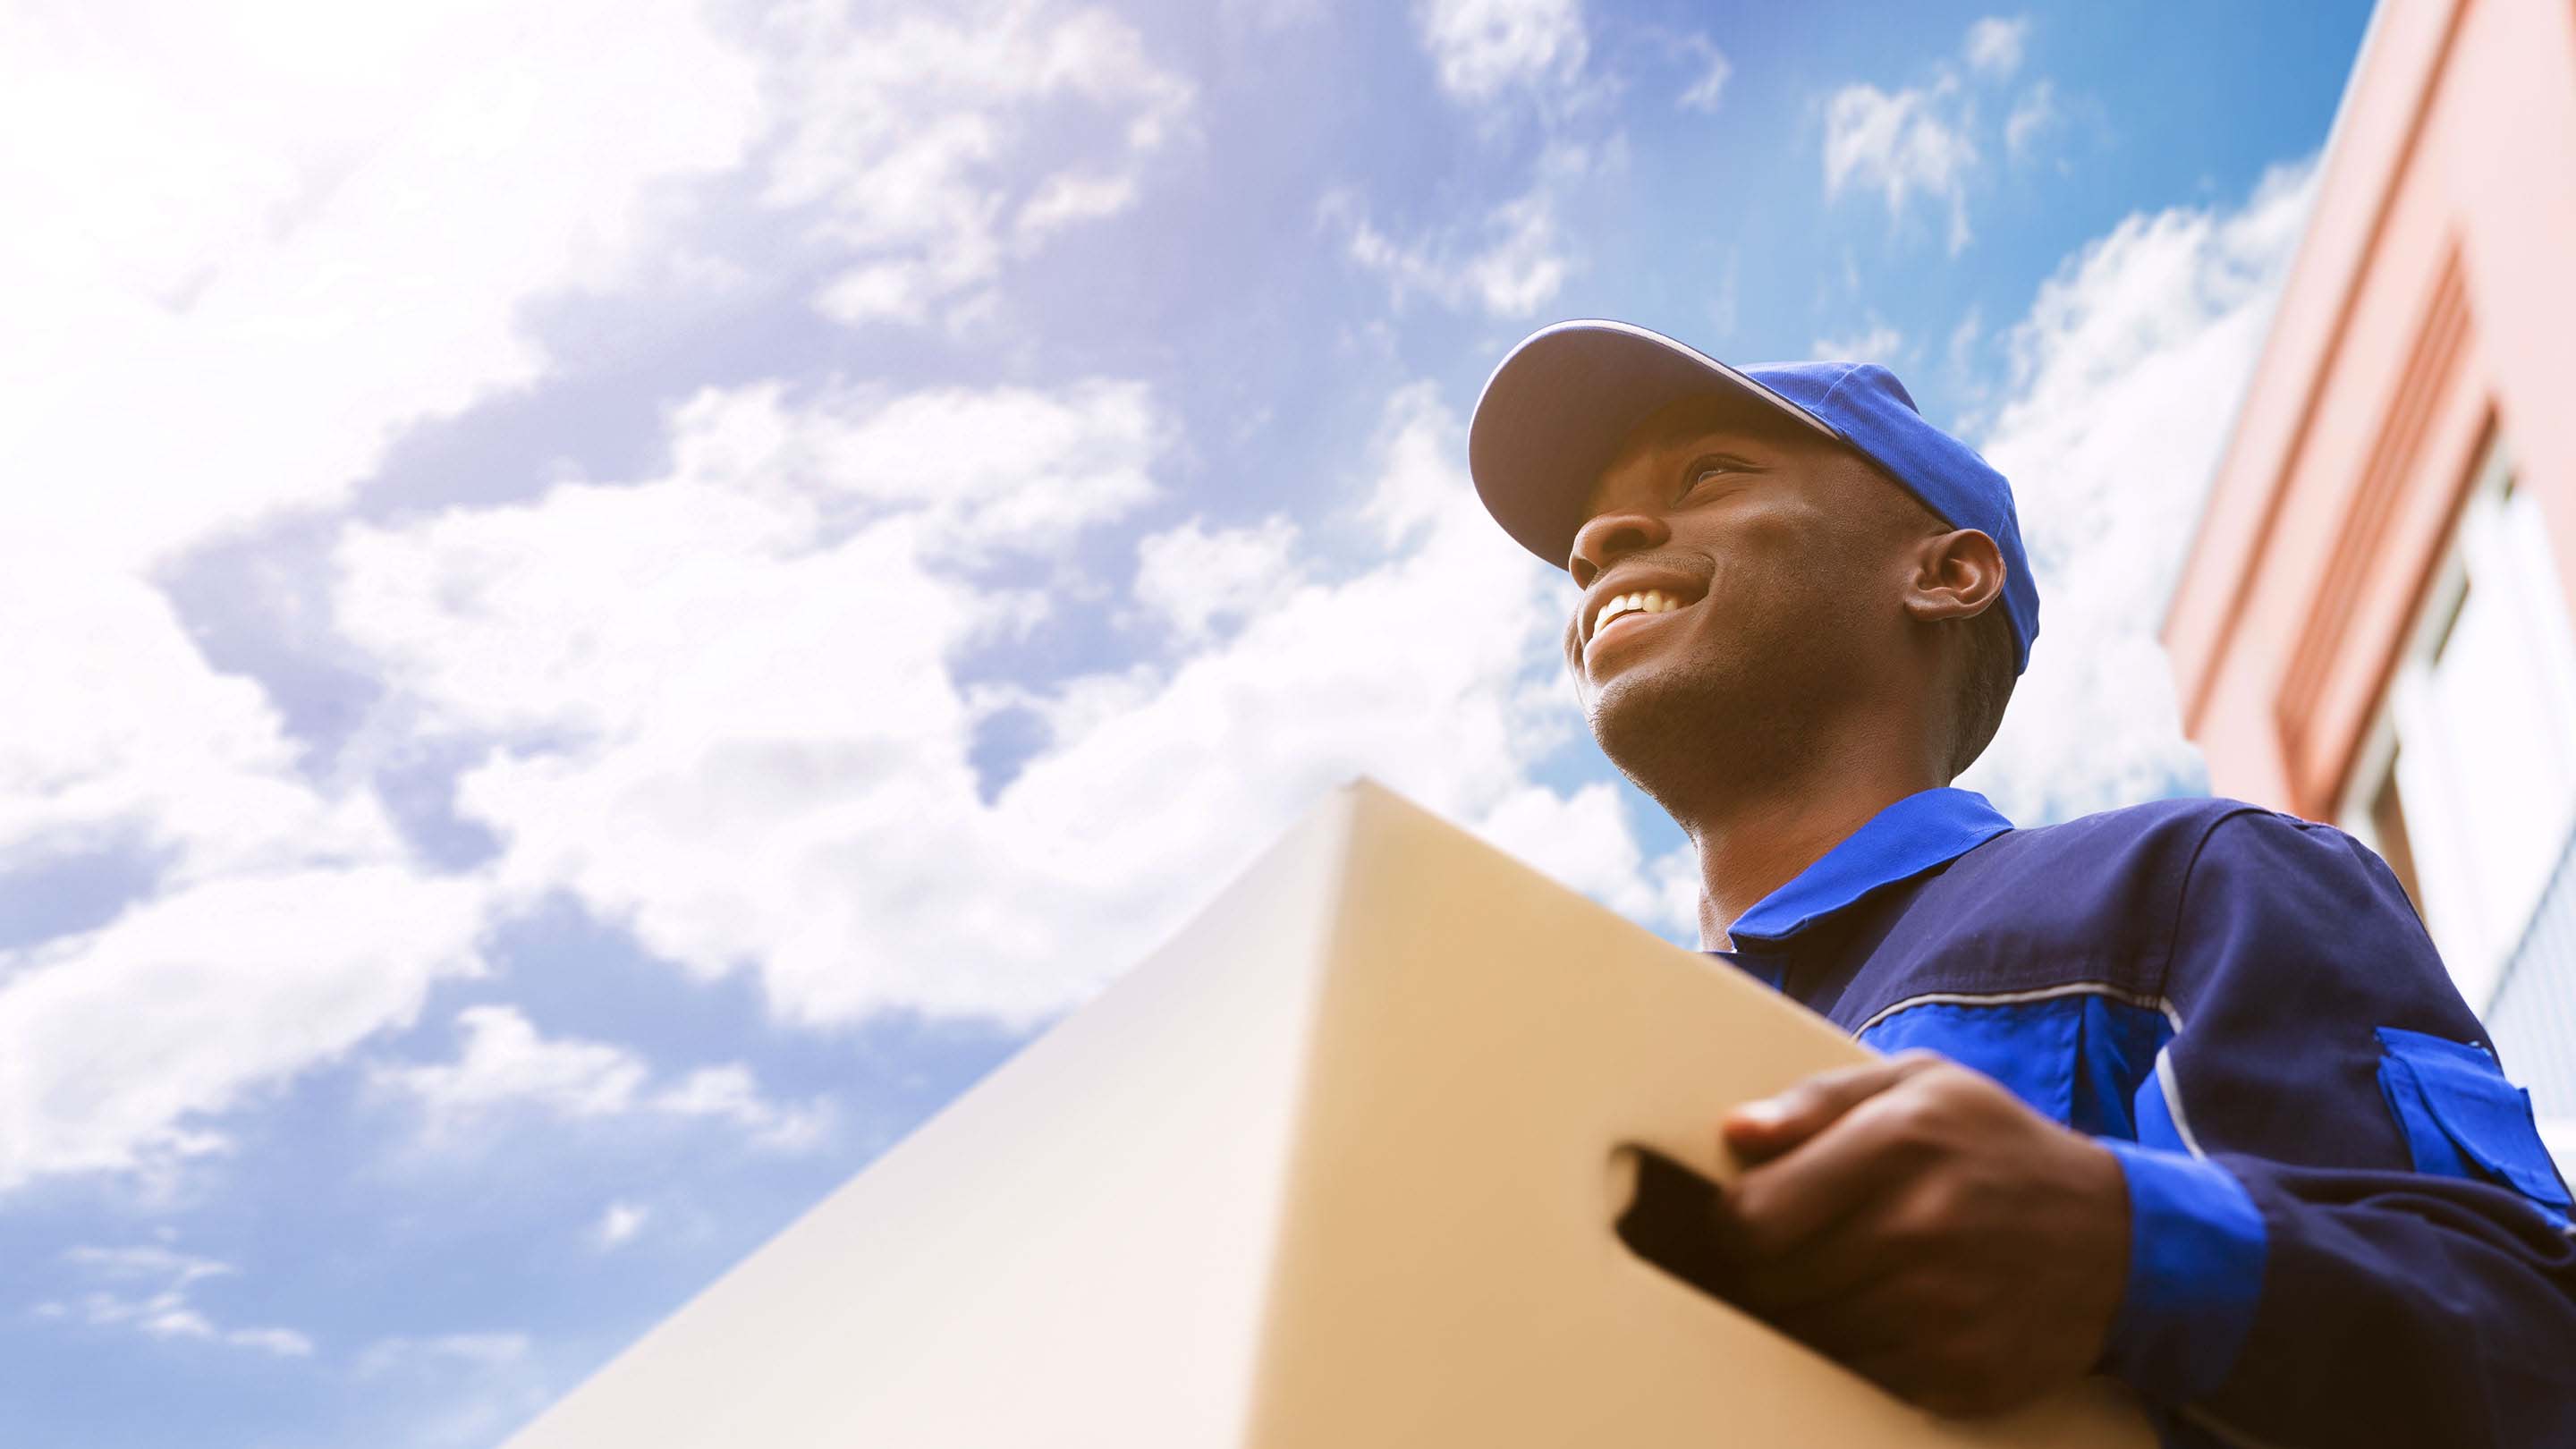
{"points": [[1620, 604], [1625, 607]]}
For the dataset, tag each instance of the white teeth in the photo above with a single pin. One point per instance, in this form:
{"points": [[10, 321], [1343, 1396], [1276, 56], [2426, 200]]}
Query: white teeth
{"points": [[1651, 601]]}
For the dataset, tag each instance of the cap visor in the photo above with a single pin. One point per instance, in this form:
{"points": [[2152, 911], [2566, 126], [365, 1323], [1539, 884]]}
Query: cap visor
{"points": [[1555, 412]]}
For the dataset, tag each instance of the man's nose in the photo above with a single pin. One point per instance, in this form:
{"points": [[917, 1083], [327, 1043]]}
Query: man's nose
{"points": [[1610, 537]]}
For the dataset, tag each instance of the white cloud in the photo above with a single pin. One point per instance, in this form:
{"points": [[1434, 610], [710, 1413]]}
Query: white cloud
{"points": [[1877, 343], [326, 226], [1919, 140], [1512, 258], [619, 1224], [2031, 118], [115, 1043], [2125, 380], [1912, 142], [506, 1064], [909, 135], [275, 233], [568, 613], [157, 1301], [731, 1095], [284, 1342], [1715, 70], [1510, 263], [1995, 45], [1483, 48], [269, 237], [1585, 840], [1192, 577], [146, 1261], [1066, 199], [761, 760]]}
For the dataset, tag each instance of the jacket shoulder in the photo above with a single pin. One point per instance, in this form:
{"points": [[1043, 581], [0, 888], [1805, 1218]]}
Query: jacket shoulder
{"points": [[2159, 826]]}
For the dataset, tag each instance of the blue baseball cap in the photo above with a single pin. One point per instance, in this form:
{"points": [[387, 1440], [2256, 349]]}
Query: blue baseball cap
{"points": [[1554, 414]]}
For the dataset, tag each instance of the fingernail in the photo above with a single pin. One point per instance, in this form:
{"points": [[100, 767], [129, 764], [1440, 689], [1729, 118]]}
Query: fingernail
{"points": [[1765, 1113]]}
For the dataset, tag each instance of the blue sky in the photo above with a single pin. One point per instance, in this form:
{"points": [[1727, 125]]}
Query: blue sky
{"points": [[611, 604]]}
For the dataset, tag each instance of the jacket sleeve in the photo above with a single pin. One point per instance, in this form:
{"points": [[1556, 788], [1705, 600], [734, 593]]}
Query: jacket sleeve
{"points": [[2344, 1227]]}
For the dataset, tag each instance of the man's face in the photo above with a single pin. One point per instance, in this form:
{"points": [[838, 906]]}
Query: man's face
{"points": [[1741, 578]]}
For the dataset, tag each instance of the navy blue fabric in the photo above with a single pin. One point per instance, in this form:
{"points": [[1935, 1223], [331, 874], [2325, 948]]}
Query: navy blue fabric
{"points": [[1556, 409], [2220, 985]]}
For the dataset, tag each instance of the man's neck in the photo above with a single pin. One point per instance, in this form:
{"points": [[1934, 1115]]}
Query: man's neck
{"points": [[1752, 845]]}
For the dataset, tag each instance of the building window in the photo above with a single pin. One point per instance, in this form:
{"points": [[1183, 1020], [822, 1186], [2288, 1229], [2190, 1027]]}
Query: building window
{"points": [[2468, 781]]}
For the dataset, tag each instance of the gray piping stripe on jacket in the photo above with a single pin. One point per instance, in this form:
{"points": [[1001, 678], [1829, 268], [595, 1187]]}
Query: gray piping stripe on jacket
{"points": [[2013, 998]]}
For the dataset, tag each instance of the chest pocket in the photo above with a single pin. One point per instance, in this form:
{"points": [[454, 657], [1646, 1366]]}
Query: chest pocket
{"points": [[2462, 1118]]}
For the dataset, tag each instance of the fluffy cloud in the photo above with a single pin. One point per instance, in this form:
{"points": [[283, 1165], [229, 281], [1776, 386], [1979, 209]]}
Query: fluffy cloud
{"points": [[342, 207], [324, 226], [1509, 263], [1919, 141], [2125, 379], [909, 138], [505, 1064], [1492, 56], [1585, 840], [1995, 44], [1903, 144], [1192, 577], [112, 1041], [727, 710], [1483, 48]]}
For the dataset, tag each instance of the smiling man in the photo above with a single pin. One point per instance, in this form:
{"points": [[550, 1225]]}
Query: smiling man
{"points": [[2180, 1092]]}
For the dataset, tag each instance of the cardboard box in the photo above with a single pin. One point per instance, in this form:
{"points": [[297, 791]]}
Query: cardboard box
{"points": [[1341, 1166]]}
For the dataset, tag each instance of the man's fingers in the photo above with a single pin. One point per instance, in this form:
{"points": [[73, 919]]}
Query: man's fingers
{"points": [[1833, 1267], [1761, 1130], [1777, 1206]]}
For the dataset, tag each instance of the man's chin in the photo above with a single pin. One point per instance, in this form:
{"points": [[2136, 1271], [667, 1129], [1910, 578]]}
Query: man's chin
{"points": [[1655, 724]]}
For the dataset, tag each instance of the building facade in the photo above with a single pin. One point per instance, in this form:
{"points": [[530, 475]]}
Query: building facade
{"points": [[2375, 624]]}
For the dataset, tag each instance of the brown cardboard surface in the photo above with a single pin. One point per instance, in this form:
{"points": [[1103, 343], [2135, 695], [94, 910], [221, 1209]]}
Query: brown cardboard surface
{"points": [[1333, 1168]]}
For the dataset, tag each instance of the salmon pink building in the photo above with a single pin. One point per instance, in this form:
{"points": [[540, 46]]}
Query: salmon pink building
{"points": [[2373, 624]]}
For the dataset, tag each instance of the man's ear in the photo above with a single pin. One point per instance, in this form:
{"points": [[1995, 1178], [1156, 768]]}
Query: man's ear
{"points": [[1957, 575]]}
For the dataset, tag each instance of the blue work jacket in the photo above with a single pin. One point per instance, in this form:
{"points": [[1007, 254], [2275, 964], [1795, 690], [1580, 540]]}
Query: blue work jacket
{"points": [[2345, 1228]]}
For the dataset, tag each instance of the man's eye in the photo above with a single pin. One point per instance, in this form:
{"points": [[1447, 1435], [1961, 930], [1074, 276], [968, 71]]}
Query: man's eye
{"points": [[1708, 471]]}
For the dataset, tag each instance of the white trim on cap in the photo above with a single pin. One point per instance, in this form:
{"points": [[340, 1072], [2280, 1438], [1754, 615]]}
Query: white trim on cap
{"points": [[1647, 334]]}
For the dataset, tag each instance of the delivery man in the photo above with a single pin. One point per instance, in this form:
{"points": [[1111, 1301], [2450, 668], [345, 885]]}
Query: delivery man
{"points": [[2180, 1093]]}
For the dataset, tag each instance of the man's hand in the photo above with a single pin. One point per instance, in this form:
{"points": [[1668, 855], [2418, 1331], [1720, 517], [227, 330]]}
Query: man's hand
{"points": [[1917, 1222]]}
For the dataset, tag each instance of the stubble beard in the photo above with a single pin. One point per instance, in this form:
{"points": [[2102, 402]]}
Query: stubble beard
{"points": [[1696, 735]]}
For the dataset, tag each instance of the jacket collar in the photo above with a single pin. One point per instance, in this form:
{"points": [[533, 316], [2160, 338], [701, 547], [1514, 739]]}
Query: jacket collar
{"points": [[1904, 840]]}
